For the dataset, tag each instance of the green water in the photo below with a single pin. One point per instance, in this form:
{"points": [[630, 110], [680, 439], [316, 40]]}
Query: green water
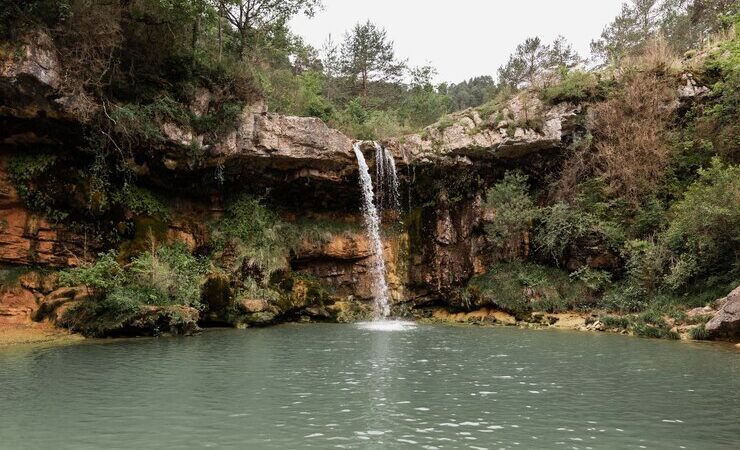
{"points": [[338, 386]]}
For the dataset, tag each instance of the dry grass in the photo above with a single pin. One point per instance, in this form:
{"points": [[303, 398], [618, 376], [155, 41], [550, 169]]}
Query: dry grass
{"points": [[631, 152]]}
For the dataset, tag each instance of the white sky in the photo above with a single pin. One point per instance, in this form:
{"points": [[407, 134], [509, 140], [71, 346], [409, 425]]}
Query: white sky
{"points": [[462, 38]]}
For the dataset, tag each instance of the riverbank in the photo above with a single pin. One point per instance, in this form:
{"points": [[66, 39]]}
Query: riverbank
{"points": [[665, 327], [36, 333]]}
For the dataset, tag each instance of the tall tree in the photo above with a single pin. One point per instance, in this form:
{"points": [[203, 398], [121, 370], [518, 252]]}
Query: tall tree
{"points": [[249, 17], [562, 56], [634, 25], [367, 56], [532, 58]]}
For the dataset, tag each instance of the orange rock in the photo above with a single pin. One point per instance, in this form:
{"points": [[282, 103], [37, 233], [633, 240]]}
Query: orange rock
{"points": [[17, 306]]}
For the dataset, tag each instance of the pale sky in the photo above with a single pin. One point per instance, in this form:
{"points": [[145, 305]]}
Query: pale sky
{"points": [[462, 38]]}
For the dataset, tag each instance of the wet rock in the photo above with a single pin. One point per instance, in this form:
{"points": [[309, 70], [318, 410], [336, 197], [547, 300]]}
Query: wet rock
{"points": [[726, 322]]}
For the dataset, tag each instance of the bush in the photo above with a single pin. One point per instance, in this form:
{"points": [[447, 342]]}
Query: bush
{"points": [[167, 276], [559, 226], [520, 288], [704, 229], [102, 276], [576, 86], [631, 148], [615, 322], [251, 236], [513, 206]]}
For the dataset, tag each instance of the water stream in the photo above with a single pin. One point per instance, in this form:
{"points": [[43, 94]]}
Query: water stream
{"points": [[381, 293], [386, 180]]}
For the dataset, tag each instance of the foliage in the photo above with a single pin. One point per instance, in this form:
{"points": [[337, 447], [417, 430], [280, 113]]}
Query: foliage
{"points": [[140, 201], [522, 287], [166, 276], [686, 24], [699, 333], [575, 86], [250, 236], [102, 276], [559, 226], [469, 93], [367, 56], [532, 59], [513, 206], [629, 134], [704, 231]]}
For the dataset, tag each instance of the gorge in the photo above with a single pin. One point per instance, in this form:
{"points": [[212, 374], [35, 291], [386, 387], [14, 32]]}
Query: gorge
{"points": [[215, 233]]}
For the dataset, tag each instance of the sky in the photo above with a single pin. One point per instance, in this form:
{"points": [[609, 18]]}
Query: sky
{"points": [[462, 38]]}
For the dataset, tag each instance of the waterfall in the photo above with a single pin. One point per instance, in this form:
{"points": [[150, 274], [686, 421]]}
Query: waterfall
{"points": [[372, 223], [386, 179]]}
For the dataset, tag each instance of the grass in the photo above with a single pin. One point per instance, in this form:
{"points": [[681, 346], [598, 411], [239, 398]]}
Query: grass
{"points": [[523, 287]]}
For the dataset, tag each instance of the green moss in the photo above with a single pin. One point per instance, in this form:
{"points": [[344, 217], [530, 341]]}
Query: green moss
{"points": [[146, 231]]}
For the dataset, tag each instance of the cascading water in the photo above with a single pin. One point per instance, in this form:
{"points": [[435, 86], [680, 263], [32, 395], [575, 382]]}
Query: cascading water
{"points": [[372, 223], [385, 170]]}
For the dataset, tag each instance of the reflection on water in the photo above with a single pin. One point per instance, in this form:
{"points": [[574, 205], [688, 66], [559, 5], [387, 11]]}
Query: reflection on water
{"points": [[387, 325], [347, 386]]}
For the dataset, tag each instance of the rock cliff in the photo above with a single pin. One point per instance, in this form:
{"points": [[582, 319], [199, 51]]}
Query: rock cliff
{"points": [[303, 164]]}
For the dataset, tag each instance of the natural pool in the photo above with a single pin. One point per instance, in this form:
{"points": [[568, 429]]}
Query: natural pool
{"points": [[341, 386]]}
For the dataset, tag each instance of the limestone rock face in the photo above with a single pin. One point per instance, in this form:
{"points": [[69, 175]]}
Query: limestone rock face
{"points": [[468, 136], [300, 160], [343, 263], [453, 255], [726, 322]]}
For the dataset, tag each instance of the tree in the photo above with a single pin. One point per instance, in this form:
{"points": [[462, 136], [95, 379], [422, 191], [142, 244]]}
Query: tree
{"points": [[367, 56], [562, 55], [635, 24], [532, 58], [423, 104], [529, 57], [470, 93], [249, 17]]}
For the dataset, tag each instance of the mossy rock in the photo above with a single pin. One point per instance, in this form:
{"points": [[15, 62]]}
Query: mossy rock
{"points": [[146, 229]]}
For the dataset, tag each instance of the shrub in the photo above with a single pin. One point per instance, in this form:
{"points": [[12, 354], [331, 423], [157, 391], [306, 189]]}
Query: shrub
{"points": [[513, 206], [520, 288], [615, 322], [576, 86], [559, 226], [102, 276], [166, 276], [171, 273], [629, 135], [704, 230], [33, 176], [251, 236], [140, 201]]}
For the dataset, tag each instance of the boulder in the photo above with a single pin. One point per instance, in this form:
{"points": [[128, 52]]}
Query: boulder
{"points": [[726, 322], [253, 305]]}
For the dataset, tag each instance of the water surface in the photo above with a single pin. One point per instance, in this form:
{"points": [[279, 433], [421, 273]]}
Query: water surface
{"points": [[341, 386]]}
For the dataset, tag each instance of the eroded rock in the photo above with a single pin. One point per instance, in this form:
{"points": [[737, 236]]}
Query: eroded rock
{"points": [[726, 322]]}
